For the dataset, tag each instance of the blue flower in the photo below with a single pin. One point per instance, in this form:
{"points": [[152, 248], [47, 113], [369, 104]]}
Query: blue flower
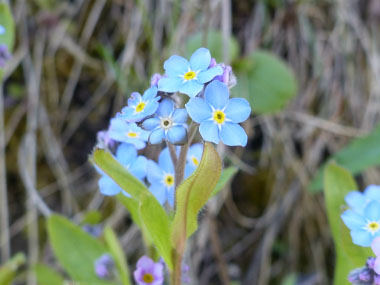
{"points": [[4, 55], [126, 155], [364, 227], [219, 116], [161, 177], [2, 30], [139, 107], [122, 131], [194, 156], [358, 200], [169, 124], [188, 77]]}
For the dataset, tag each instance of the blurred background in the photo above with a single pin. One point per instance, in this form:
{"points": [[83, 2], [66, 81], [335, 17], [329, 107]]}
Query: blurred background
{"points": [[310, 69]]}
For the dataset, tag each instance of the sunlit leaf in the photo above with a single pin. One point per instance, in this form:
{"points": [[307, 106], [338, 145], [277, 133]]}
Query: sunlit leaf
{"points": [[47, 276], [9, 269]]}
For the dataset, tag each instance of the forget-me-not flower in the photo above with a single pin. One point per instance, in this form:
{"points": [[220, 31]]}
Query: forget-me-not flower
{"points": [[358, 200], [149, 272], [194, 156], [169, 123], [122, 131], [139, 107], [364, 226], [126, 155], [188, 77], [161, 176], [104, 266], [219, 116], [2, 30]]}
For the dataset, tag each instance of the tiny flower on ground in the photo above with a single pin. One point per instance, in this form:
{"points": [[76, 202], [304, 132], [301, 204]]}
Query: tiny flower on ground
{"points": [[139, 107], [4, 55], [357, 200], [2, 30], [364, 227], [104, 266], [219, 116], [188, 77], [122, 131], [126, 155], [194, 156], [149, 272], [161, 177], [169, 123]]}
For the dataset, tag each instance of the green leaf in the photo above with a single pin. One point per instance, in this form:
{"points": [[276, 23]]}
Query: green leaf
{"points": [[92, 218], [214, 44], [193, 194], [9, 269], [337, 183], [266, 81], [118, 255], [226, 176], [75, 249], [360, 154], [47, 276], [6, 20]]}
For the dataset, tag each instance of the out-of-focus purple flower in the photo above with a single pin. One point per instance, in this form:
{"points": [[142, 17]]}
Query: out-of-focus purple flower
{"points": [[212, 63], [148, 272], [94, 230], [365, 275], [154, 79], [104, 140], [104, 266], [185, 273], [376, 250], [5, 55], [2, 30]]}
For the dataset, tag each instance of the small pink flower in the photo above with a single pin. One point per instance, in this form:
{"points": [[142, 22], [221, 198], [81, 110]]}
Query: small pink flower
{"points": [[148, 272], [376, 249]]}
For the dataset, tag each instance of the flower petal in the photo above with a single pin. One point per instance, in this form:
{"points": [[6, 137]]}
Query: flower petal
{"points": [[376, 246], [189, 169], [139, 167], [209, 131], [355, 200], [151, 124], [165, 108], [216, 94], [159, 191], [170, 196], [165, 161], [150, 93], [179, 116], [156, 136], [361, 237], [108, 187], [237, 110], [198, 110], [209, 74], [372, 211], [169, 84], [155, 174], [126, 154], [372, 192], [353, 220], [233, 135], [200, 59], [191, 88], [377, 265], [145, 263], [177, 134], [176, 65]]}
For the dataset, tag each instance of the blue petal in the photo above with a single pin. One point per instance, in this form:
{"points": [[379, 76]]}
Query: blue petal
{"points": [[216, 94], [353, 220], [355, 200], [191, 87], [118, 125], [196, 151], [209, 131], [237, 110], [126, 154], [134, 99], [176, 65], [179, 116], [170, 196], [155, 174], [372, 192], [150, 93], [139, 167], [159, 192], [165, 161], [232, 134], [108, 187], [151, 124], [169, 84], [157, 136], [200, 59], [189, 169], [361, 237], [372, 211], [177, 134], [150, 108], [198, 110], [209, 74], [165, 108]]}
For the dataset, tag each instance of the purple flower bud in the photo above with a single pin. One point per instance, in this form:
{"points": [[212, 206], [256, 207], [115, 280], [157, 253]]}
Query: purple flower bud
{"points": [[365, 275], [371, 262], [376, 279], [227, 77], [212, 63], [104, 140], [104, 266], [154, 79], [94, 230], [148, 272], [4, 55]]}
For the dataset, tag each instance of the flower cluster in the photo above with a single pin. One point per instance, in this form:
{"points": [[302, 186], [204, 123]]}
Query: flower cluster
{"points": [[365, 275]]}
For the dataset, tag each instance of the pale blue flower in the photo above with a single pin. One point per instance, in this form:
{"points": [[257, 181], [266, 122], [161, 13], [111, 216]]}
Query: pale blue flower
{"points": [[194, 156], [358, 200], [126, 155], [104, 266], [169, 123], [188, 77], [161, 176], [2, 30], [139, 107], [364, 226], [219, 116], [122, 131]]}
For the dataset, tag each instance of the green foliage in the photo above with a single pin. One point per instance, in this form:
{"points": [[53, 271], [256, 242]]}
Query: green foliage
{"points": [[337, 183], [214, 42], [8, 270], [193, 194], [266, 81], [226, 176], [118, 255], [92, 218], [6, 20], [360, 154], [75, 249], [47, 276]]}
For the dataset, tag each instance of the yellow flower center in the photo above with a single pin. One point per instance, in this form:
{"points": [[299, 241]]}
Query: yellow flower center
{"points": [[169, 180], [189, 75], [132, 135], [195, 160], [219, 116], [373, 227], [166, 123], [148, 278], [140, 107]]}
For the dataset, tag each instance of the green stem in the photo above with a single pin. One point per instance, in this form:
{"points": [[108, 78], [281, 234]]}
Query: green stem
{"points": [[176, 275]]}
